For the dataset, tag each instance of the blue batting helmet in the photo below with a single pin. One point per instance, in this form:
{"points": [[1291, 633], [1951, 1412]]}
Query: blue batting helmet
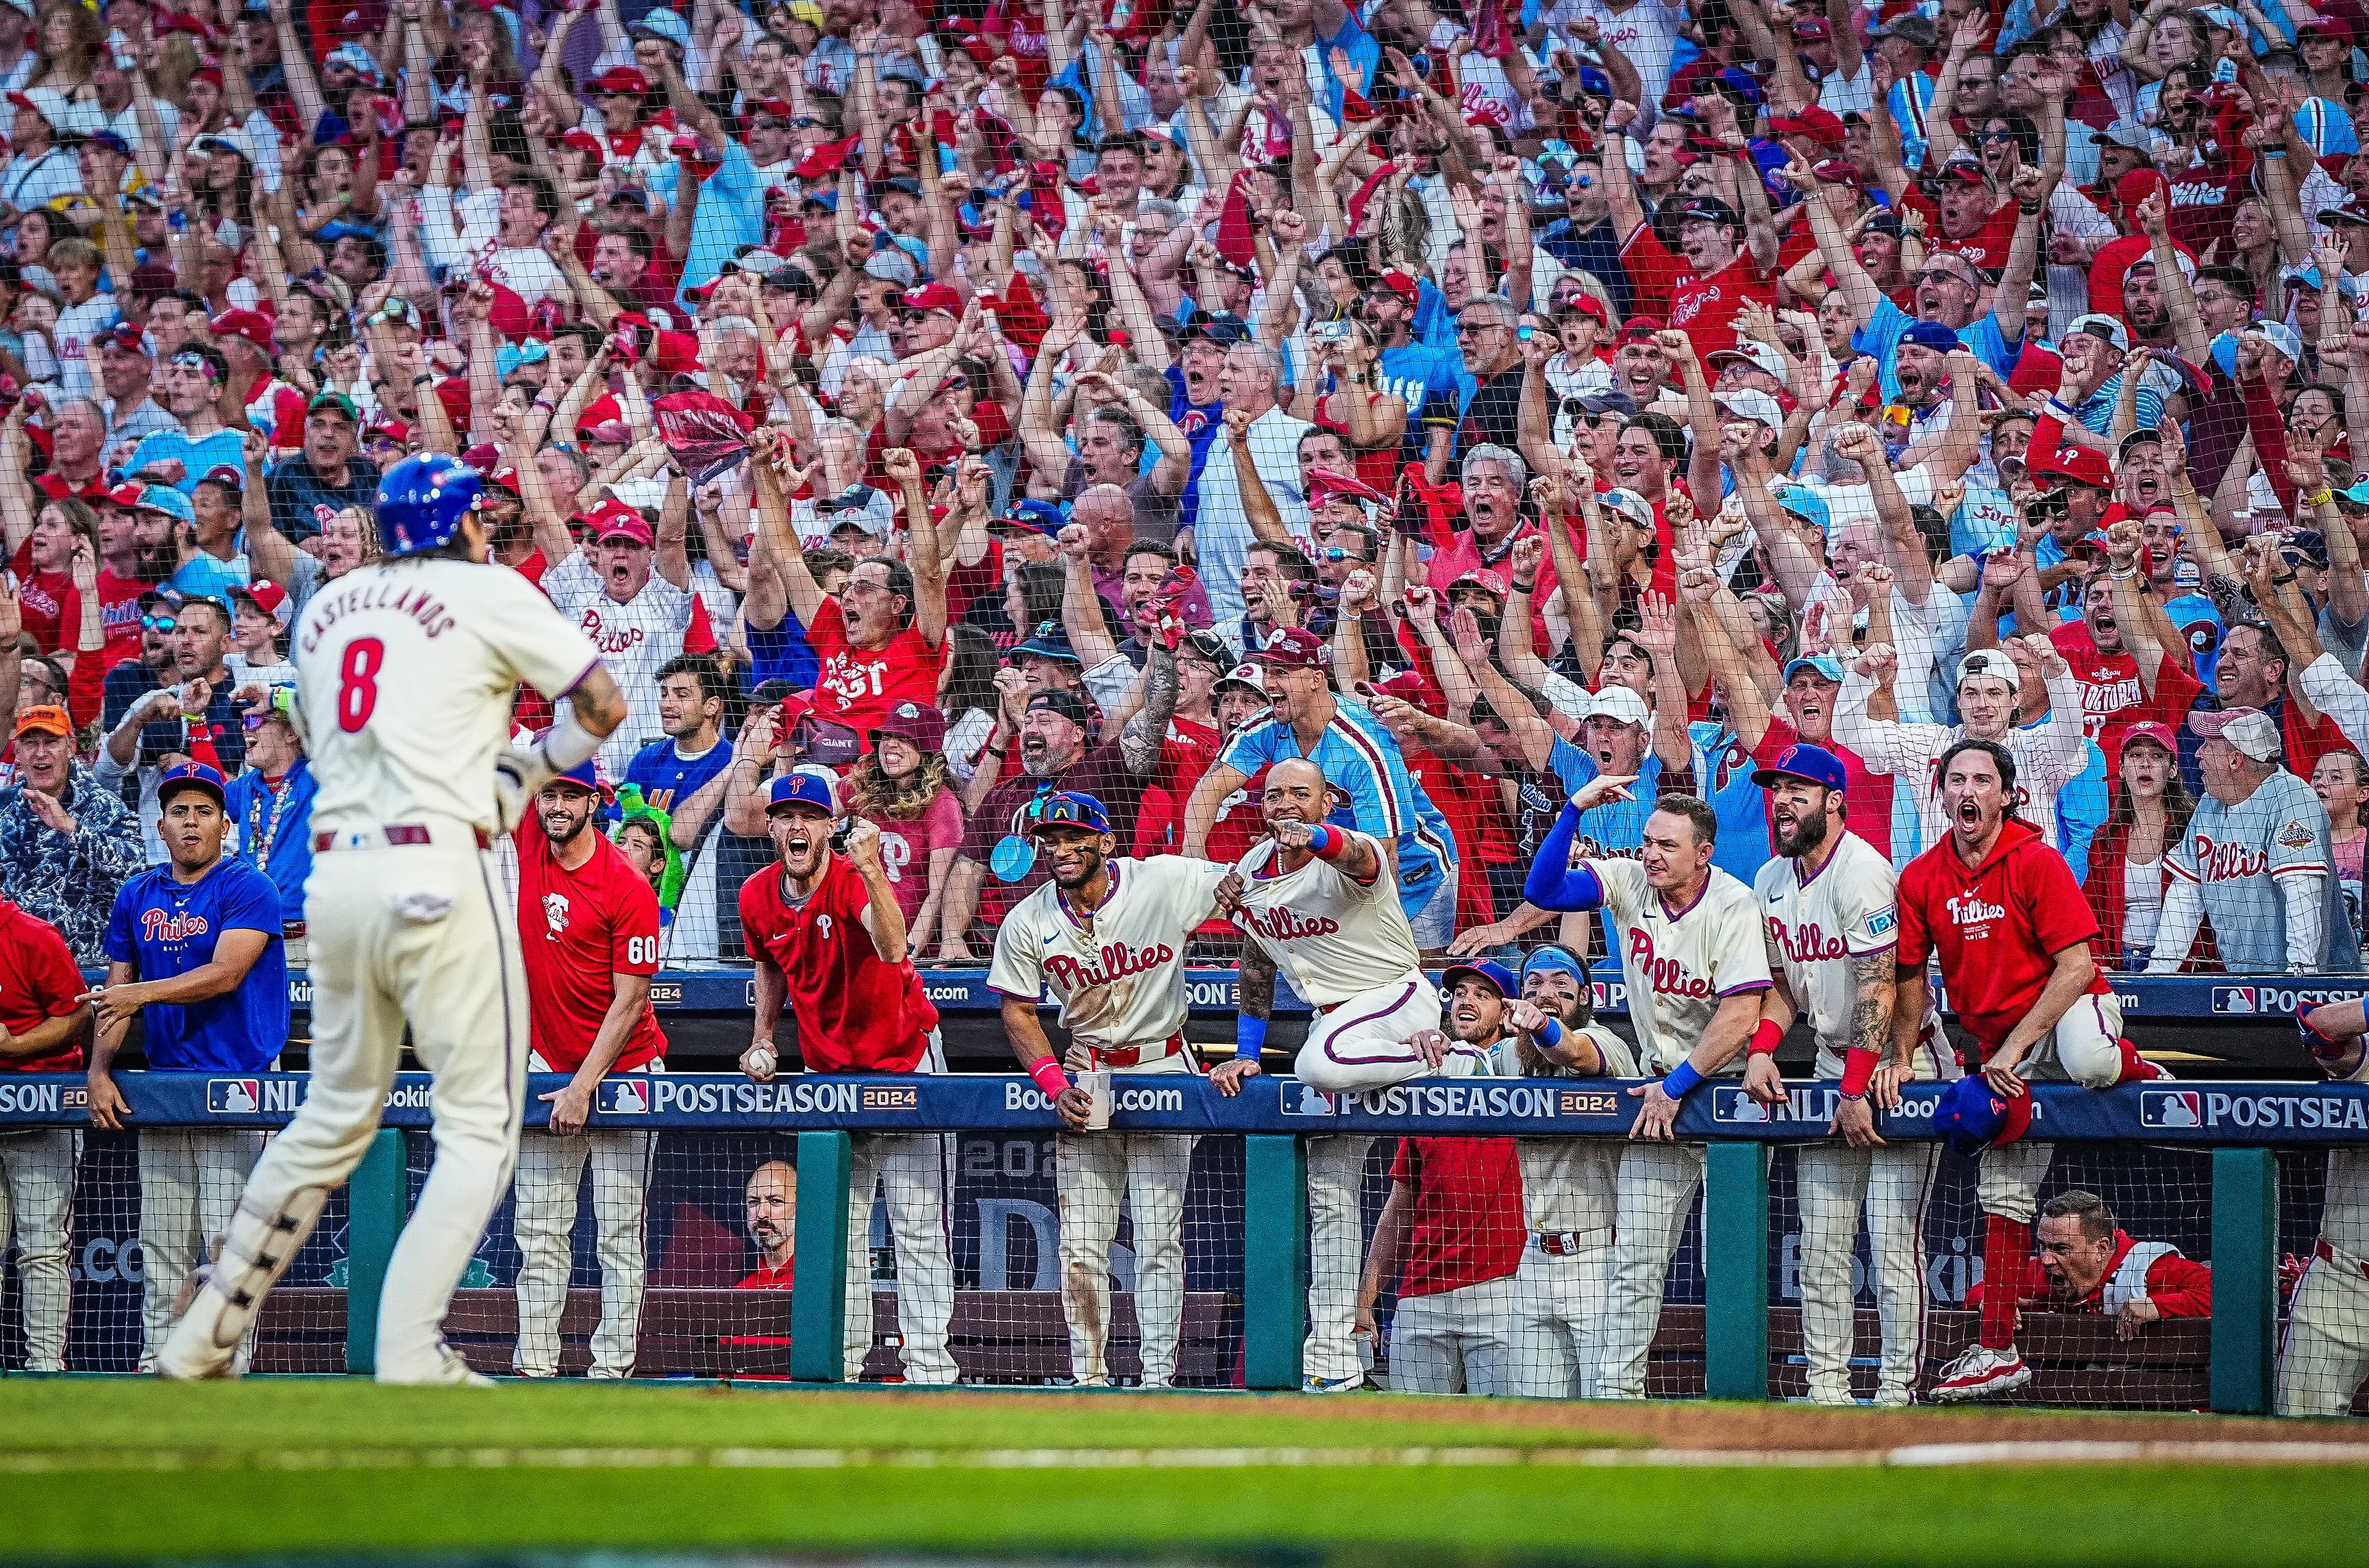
{"points": [[421, 502], [1972, 1116]]}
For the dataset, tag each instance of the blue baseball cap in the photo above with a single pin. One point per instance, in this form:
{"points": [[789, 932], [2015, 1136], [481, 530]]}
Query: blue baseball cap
{"points": [[1973, 1117], [1067, 808], [1825, 665], [802, 787], [1489, 969], [191, 775], [1593, 83], [662, 24], [1051, 641], [1803, 760], [1037, 517], [1551, 959], [1807, 505], [1934, 336], [166, 500]]}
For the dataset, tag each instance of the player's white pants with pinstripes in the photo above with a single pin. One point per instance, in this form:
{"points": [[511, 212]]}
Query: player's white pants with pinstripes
{"points": [[549, 1170], [189, 1183], [1654, 1193], [1558, 1320], [2086, 1048], [1091, 1172], [911, 1168], [2325, 1356], [1892, 1186], [37, 1188], [419, 931], [1362, 1043], [1453, 1342]]}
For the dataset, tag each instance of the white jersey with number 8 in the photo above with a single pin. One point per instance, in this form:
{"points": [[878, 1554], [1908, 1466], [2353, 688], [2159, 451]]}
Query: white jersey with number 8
{"points": [[404, 676]]}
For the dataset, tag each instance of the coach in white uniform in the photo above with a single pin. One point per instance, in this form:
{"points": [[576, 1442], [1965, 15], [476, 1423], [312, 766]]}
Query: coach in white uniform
{"points": [[1832, 927], [406, 672], [1689, 940], [1108, 937], [2323, 1358], [1321, 905]]}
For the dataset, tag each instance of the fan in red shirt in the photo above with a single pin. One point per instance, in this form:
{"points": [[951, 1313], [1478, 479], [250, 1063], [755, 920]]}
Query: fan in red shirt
{"points": [[2125, 680], [589, 938], [1963, 215], [828, 939], [1723, 269], [2001, 910], [2088, 1264]]}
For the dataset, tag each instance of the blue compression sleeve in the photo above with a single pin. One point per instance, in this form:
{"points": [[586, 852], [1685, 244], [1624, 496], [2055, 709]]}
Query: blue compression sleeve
{"points": [[1553, 882], [1250, 1036]]}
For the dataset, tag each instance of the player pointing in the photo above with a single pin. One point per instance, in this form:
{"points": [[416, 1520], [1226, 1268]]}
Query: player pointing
{"points": [[406, 672], [1831, 930], [1108, 936]]}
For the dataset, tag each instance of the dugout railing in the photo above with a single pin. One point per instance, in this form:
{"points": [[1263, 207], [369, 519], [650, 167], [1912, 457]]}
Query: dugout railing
{"points": [[2245, 1153]]}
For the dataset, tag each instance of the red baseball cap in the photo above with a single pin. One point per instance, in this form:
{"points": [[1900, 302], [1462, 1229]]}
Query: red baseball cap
{"points": [[1640, 328], [2081, 464], [621, 79], [1820, 125], [1399, 283], [2160, 733], [1294, 647], [252, 327], [935, 296]]}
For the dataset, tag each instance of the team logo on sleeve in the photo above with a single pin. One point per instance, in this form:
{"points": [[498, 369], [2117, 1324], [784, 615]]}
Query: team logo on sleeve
{"points": [[1883, 921], [2295, 836]]}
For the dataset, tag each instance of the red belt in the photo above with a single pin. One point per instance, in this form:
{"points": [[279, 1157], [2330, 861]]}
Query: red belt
{"points": [[1559, 1244], [2328, 1252], [394, 834], [1130, 1056]]}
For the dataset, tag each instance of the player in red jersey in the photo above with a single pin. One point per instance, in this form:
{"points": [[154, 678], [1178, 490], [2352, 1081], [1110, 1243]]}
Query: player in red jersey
{"points": [[589, 935], [1455, 1218], [827, 938], [42, 1022], [1999, 909]]}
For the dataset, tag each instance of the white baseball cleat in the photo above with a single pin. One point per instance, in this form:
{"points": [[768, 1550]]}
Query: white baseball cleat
{"points": [[1892, 1397], [1982, 1373], [1312, 1384], [448, 1370]]}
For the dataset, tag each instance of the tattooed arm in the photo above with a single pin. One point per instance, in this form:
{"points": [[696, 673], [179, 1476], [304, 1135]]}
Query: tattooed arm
{"points": [[1872, 996], [1139, 742]]}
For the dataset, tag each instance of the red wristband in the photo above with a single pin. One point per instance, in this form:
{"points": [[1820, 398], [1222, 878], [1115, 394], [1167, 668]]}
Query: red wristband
{"points": [[1326, 844], [1765, 1038], [1046, 1070], [1859, 1066]]}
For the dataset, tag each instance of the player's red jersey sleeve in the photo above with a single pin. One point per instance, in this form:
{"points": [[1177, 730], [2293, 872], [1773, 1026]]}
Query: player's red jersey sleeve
{"points": [[2056, 910], [1915, 933], [2181, 1287]]}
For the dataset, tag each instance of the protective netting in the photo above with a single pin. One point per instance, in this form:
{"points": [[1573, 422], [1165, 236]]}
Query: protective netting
{"points": [[2323, 1287]]}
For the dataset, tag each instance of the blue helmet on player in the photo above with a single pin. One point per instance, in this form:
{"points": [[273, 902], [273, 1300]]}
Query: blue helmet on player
{"points": [[421, 502]]}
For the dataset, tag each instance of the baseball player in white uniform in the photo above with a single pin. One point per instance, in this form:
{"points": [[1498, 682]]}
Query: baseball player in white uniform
{"points": [[2323, 1358], [1691, 946], [1108, 936], [406, 672], [1321, 905], [1832, 927], [1570, 1185]]}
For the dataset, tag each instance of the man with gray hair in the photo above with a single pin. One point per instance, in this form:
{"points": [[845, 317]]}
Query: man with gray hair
{"points": [[1494, 477], [1252, 384], [1493, 358]]}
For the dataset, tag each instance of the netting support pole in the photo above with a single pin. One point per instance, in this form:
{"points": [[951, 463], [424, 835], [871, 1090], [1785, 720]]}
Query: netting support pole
{"points": [[2245, 1278], [377, 1197], [1274, 1260], [819, 1297], [1735, 1271]]}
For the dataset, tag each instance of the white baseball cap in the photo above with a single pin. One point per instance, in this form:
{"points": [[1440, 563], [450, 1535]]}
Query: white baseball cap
{"points": [[1630, 505], [1751, 403], [1989, 661], [1618, 704], [1753, 352], [2250, 730], [1249, 675]]}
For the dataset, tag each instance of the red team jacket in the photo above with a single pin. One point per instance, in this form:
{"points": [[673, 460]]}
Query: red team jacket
{"points": [[2178, 1286]]}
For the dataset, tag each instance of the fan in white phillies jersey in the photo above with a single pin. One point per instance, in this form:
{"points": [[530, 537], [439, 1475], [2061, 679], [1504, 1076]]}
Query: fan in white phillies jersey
{"points": [[1320, 904], [1832, 927], [1692, 950], [628, 590], [1569, 1185], [404, 676], [2324, 1359], [1108, 937]]}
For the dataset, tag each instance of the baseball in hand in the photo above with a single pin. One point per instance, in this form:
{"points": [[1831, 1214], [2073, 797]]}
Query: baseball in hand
{"points": [[758, 1062]]}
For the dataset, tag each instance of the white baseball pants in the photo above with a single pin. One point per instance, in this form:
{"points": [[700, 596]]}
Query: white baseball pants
{"points": [[911, 1168], [549, 1169], [1336, 1251], [1092, 1171], [1892, 1186], [189, 1183], [420, 933], [2086, 1047], [1362, 1044], [1653, 1196], [2325, 1355], [1558, 1320], [37, 1190], [1453, 1342]]}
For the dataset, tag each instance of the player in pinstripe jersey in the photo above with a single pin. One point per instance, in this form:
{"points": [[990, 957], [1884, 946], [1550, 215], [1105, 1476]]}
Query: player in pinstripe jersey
{"points": [[1831, 928], [2323, 1358]]}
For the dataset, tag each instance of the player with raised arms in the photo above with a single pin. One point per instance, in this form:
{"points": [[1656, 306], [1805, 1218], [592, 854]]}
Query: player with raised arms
{"points": [[1832, 926], [1108, 936], [1320, 904], [1997, 907], [406, 672], [1689, 940]]}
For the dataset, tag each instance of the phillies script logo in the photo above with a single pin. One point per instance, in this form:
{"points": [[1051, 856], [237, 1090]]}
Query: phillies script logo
{"points": [[2229, 863], [1118, 961], [624, 639], [1288, 925], [158, 926], [1664, 977], [1970, 909], [1804, 944]]}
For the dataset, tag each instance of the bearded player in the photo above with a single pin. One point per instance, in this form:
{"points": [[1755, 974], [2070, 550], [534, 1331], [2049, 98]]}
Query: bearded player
{"points": [[1108, 937], [1320, 903], [406, 672], [1689, 939], [1997, 907], [2323, 1358], [1831, 930], [1570, 1185]]}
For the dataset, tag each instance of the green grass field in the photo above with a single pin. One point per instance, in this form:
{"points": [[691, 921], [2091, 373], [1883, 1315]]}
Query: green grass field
{"points": [[109, 1468]]}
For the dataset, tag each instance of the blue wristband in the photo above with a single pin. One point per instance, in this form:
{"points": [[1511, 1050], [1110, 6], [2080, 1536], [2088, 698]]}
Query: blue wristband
{"points": [[1250, 1037], [1550, 1036], [1681, 1080]]}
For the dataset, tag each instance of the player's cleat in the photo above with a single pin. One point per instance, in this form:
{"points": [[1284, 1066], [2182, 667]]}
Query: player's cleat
{"points": [[448, 1370], [1982, 1373], [1312, 1384], [221, 1306], [1891, 1397]]}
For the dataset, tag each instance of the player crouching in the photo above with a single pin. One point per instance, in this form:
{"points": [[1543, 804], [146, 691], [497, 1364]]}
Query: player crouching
{"points": [[1999, 909]]}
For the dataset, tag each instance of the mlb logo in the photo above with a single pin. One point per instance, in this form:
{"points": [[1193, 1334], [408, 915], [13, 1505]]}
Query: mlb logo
{"points": [[625, 1097], [1736, 1105], [1300, 1099], [2234, 999], [2171, 1108], [233, 1096]]}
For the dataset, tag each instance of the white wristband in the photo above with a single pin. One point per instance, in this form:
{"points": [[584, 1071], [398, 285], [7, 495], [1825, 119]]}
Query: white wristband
{"points": [[568, 743]]}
